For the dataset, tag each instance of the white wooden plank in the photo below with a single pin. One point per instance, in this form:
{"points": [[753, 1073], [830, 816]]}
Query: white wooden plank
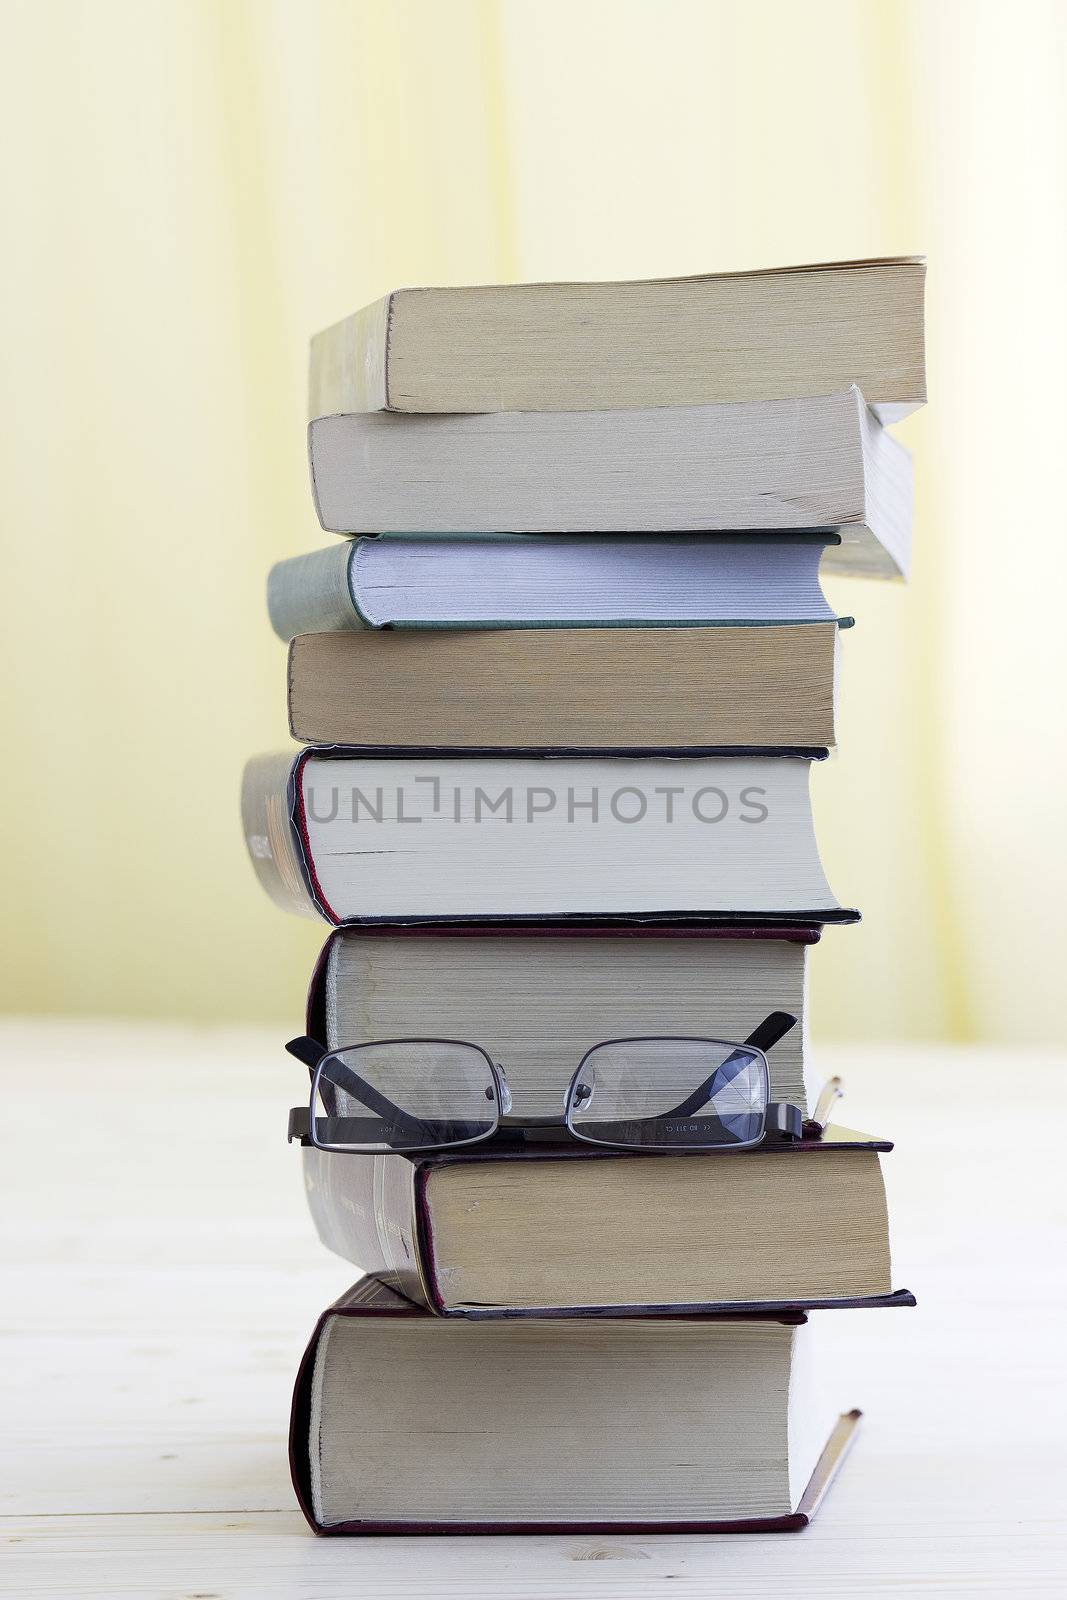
{"points": [[270, 1558]]}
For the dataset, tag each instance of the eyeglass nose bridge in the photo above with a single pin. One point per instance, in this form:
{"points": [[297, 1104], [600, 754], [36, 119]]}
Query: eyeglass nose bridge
{"points": [[581, 1088], [580, 1096]]}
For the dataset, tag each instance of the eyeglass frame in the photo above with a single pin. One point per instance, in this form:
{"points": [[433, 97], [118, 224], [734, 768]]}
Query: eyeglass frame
{"points": [[780, 1118]]}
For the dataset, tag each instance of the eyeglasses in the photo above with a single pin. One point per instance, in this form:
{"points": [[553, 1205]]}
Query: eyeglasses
{"points": [[658, 1093]]}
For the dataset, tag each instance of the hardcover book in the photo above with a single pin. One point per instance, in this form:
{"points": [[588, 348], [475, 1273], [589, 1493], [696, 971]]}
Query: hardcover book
{"points": [[563, 1229], [404, 1424], [435, 838], [513, 580], [537, 999]]}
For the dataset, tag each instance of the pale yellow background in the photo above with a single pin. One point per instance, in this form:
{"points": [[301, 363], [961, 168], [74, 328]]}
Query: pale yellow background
{"points": [[191, 187]]}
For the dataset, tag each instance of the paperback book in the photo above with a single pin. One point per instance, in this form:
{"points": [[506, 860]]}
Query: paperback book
{"points": [[821, 464], [717, 337]]}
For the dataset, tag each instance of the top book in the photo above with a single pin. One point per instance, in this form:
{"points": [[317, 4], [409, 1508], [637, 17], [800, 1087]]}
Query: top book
{"points": [[770, 335]]}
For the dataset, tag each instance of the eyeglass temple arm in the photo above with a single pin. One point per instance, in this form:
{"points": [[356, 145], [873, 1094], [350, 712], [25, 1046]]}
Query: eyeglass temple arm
{"points": [[351, 1130], [311, 1053], [775, 1026], [782, 1118], [832, 1090], [307, 1050]]}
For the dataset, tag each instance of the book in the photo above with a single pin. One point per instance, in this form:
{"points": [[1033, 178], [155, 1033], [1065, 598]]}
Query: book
{"points": [[719, 337], [537, 999], [552, 1228], [507, 580], [818, 464], [433, 837], [404, 1424], [667, 688]]}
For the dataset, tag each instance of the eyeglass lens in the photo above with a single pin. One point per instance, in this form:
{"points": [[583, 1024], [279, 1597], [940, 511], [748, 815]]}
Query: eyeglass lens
{"points": [[403, 1096], [669, 1093]]}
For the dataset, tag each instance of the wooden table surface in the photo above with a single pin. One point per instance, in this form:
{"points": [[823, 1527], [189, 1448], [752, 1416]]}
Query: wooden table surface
{"points": [[161, 1278]]}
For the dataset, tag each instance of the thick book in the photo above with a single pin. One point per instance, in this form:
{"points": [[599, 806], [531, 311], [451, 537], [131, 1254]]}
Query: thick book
{"points": [[566, 580], [435, 837], [403, 1424], [775, 466], [677, 688], [538, 999], [407, 1424], [768, 335], [552, 1229]]}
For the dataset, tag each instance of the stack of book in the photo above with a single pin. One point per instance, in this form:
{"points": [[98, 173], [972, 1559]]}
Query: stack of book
{"points": [[559, 693]]}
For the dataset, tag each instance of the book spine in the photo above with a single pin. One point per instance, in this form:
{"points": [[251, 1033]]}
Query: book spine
{"points": [[268, 830], [311, 594], [364, 1210], [349, 363]]}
